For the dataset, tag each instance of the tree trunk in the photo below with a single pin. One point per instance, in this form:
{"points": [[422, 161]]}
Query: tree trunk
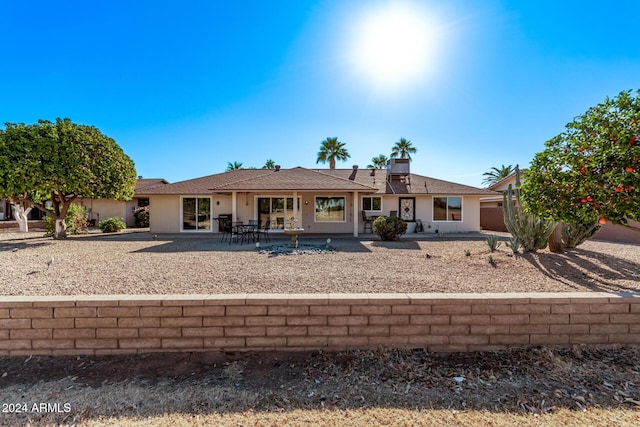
{"points": [[555, 240], [61, 229], [21, 215]]}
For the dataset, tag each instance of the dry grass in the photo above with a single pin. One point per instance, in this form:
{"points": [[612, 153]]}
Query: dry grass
{"points": [[356, 388], [138, 264]]}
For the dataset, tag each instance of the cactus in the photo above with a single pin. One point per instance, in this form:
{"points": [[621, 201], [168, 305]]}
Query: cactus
{"points": [[576, 234], [532, 231]]}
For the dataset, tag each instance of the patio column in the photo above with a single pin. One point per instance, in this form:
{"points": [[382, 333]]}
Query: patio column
{"points": [[295, 210], [356, 214], [234, 210]]}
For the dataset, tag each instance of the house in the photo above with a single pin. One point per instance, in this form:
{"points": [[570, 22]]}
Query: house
{"points": [[100, 208], [317, 200], [491, 215]]}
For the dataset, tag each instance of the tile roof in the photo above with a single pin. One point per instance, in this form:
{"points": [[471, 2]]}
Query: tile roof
{"points": [[302, 179]]}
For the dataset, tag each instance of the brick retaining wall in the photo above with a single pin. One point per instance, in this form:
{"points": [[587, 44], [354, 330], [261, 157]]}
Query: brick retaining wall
{"points": [[436, 322]]}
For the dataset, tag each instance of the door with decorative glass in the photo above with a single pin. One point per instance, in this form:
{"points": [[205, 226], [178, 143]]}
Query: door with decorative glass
{"points": [[407, 208]]}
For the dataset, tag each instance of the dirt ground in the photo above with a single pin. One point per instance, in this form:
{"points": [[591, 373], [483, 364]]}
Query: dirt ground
{"points": [[533, 381]]}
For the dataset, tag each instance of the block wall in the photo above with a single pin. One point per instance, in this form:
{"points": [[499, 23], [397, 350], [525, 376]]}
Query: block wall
{"points": [[436, 322]]}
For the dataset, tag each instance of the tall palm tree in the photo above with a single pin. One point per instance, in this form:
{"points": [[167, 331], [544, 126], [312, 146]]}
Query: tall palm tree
{"points": [[379, 162], [331, 149], [234, 166], [403, 149], [496, 174], [269, 164]]}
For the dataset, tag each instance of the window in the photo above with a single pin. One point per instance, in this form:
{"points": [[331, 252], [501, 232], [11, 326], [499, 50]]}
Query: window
{"points": [[196, 213], [372, 203], [330, 209], [447, 208]]}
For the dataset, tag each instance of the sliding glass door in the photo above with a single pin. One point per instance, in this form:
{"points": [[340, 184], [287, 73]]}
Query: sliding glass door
{"points": [[278, 211], [196, 214]]}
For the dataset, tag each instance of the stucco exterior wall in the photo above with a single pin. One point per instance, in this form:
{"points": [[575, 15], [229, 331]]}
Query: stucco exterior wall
{"points": [[164, 214], [100, 209]]}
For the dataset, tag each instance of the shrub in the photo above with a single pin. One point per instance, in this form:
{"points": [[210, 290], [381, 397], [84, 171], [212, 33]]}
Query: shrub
{"points": [[111, 225], [467, 252], [76, 221], [389, 228], [493, 242], [141, 215]]}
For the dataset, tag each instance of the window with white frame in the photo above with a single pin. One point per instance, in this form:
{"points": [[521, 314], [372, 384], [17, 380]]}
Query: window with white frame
{"points": [[372, 203], [447, 208], [330, 209]]}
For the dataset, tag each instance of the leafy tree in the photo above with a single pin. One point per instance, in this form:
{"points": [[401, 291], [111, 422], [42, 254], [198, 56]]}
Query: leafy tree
{"points": [[233, 166], [591, 171], [403, 149], [269, 164], [59, 162], [331, 150], [379, 162], [496, 174]]}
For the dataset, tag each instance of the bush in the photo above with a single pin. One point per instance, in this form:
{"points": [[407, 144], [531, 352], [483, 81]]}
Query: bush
{"points": [[111, 225], [76, 221], [141, 214], [389, 228]]}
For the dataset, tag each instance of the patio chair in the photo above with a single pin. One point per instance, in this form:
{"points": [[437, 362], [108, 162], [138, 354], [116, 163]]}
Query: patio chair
{"points": [[367, 221], [264, 230], [225, 228], [237, 232]]}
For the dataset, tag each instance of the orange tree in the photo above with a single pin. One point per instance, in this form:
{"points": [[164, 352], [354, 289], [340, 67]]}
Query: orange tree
{"points": [[591, 171], [59, 162]]}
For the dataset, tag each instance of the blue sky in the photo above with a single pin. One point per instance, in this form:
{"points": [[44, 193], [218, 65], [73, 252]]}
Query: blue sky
{"points": [[186, 87]]}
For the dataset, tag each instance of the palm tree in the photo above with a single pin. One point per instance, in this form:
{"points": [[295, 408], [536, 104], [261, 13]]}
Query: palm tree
{"points": [[331, 149], [496, 174], [403, 149], [269, 164], [234, 166], [379, 162]]}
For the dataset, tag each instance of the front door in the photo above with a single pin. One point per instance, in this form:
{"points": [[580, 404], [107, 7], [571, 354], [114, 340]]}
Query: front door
{"points": [[407, 208]]}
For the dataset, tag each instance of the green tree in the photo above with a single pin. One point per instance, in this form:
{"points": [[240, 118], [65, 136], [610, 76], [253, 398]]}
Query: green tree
{"points": [[496, 174], [233, 166], [331, 150], [591, 171], [59, 162], [269, 164], [379, 162], [403, 149]]}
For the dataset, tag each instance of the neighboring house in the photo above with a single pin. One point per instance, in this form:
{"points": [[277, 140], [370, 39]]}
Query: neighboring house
{"points": [[101, 208], [492, 218], [317, 200]]}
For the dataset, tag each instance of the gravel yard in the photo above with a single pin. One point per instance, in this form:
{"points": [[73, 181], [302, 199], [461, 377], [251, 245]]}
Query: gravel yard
{"points": [[136, 263]]}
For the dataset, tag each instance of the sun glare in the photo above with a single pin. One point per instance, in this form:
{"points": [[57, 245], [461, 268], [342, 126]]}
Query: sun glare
{"points": [[393, 45]]}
